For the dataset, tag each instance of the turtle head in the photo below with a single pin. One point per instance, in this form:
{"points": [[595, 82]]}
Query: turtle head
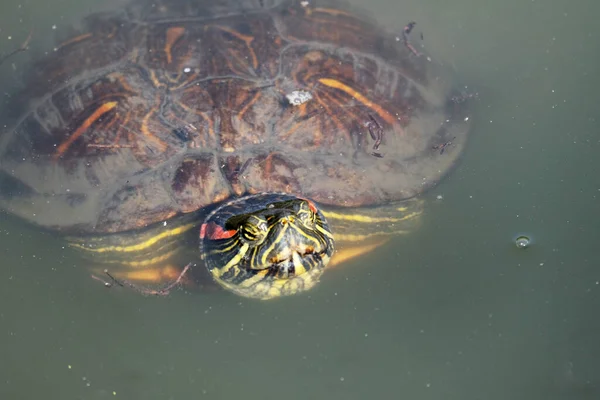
{"points": [[266, 245]]}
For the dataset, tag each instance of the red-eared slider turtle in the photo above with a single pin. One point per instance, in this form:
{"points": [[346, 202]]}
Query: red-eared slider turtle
{"points": [[269, 129]]}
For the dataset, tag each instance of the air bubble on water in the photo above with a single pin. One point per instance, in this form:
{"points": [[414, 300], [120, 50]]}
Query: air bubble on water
{"points": [[522, 242]]}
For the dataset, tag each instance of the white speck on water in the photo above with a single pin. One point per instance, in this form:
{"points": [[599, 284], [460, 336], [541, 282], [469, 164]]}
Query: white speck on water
{"points": [[53, 27], [440, 197], [466, 119], [10, 37], [342, 379]]}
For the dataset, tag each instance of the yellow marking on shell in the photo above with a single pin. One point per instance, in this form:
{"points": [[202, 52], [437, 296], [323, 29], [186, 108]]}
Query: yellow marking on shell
{"points": [[173, 34], [218, 272], [366, 218], [389, 118], [139, 246], [99, 112]]}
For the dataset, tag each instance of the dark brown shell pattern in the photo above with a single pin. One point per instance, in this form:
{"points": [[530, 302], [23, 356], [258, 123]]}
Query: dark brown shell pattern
{"points": [[165, 109]]}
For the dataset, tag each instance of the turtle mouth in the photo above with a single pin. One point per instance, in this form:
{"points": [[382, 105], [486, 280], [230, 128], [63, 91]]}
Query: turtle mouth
{"points": [[298, 262]]}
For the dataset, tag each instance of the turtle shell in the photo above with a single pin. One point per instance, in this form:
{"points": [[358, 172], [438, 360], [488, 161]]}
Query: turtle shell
{"points": [[166, 108]]}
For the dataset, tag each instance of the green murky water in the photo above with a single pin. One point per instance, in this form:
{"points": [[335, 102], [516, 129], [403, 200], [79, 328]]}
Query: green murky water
{"points": [[453, 311]]}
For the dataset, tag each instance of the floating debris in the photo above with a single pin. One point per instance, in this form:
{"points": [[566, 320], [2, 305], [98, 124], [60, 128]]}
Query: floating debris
{"points": [[405, 38], [298, 97], [442, 147]]}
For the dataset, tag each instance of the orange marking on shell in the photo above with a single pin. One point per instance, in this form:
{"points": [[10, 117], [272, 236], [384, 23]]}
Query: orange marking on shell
{"points": [[75, 40], [244, 38], [248, 105], [190, 78], [173, 34], [120, 129], [99, 112], [331, 115], [290, 131], [215, 232], [154, 79], [108, 126], [126, 86], [389, 118], [332, 11], [146, 131], [112, 33]]}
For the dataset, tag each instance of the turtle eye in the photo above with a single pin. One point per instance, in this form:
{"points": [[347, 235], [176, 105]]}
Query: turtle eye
{"points": [[306, 215], [254, 230]]}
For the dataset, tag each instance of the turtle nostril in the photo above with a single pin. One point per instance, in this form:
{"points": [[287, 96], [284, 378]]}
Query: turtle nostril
{"points": [[286, 220]]}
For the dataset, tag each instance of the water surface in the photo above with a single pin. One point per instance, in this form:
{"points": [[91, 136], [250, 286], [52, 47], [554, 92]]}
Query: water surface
{"points": [[453, 311]]}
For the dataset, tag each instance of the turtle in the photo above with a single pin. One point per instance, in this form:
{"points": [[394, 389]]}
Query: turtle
{"points": [[266, 140]]}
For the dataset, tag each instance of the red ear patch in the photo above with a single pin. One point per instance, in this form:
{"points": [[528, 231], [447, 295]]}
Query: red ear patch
{"points": [[312, 206], [215, 232]]}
